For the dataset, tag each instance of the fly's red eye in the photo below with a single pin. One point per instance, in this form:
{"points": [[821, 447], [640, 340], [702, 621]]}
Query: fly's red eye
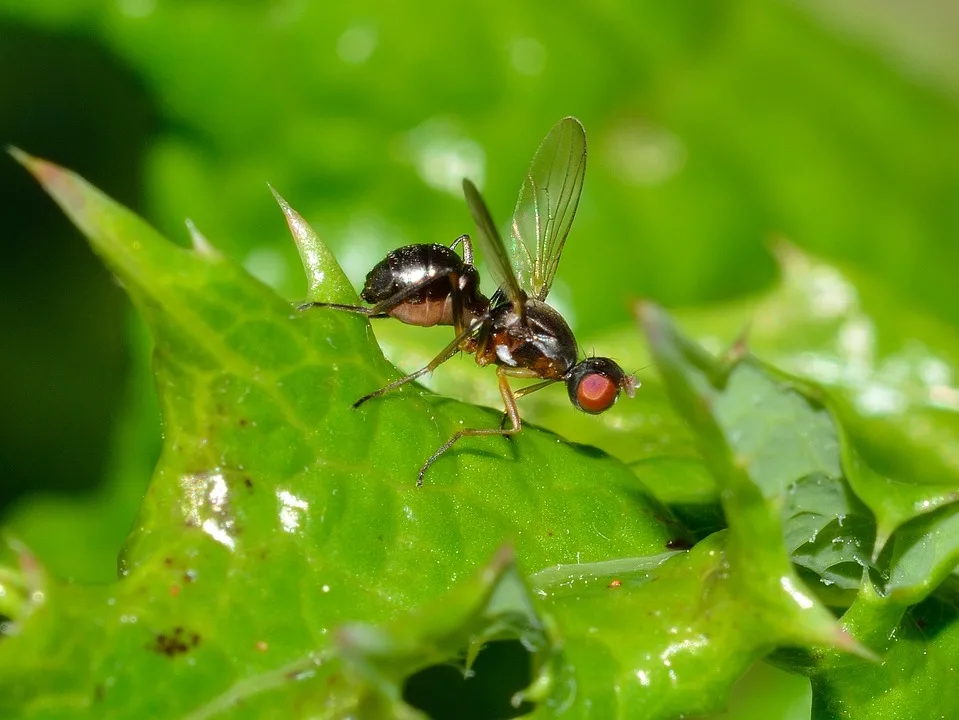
{"points": [[596, 393]]}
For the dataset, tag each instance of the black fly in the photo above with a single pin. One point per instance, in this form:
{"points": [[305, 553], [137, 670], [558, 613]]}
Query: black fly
{"points": [[515, 329]]}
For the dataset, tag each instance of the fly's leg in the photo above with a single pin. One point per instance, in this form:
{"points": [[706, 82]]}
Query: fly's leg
{"points": [[382, 308], [522, 392], [467, 244], [456, 301], [358, 309], [509, 400], [447, 352]]}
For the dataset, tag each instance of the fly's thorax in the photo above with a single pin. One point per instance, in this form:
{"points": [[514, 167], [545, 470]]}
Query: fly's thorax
{"points": [[540, 340]]}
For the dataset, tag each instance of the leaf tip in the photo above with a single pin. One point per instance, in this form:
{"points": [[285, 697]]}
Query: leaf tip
{"points": [[279, 198], [303, 234], [504, 556], [845, 641], [652, 319], [66, 188], [201, 245], [19, 155], [325, 277], [45, 172], [739, 350]]}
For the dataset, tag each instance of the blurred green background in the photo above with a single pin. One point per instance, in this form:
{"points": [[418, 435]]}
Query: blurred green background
{"points": [[714, 127]]}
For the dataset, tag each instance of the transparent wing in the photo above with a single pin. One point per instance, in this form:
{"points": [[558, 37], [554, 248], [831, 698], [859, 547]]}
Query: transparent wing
{"points": [[493, 248], [547, 204]]}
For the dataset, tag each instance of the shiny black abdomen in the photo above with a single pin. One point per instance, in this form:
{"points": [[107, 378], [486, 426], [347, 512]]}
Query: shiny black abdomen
{"points": [[410, 265], [540, 340]]}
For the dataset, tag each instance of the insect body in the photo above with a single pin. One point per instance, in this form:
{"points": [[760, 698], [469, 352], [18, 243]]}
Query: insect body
{"points": [[515, 330], [422, 285]]}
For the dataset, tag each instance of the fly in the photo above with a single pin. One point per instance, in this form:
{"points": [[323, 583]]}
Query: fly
{"points": [[515, 330]]}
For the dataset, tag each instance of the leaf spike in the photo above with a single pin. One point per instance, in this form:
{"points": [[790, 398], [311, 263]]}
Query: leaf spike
{"points": [[19, 155], [201, 245], [325, 279]]}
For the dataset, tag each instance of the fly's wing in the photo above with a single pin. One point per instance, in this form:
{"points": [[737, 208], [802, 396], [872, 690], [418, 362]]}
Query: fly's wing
{"points": [[493, 248], [547, 204]]}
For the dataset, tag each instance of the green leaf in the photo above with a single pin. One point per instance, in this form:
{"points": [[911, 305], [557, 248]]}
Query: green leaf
{"points": [[759, 437], [886, 372], [828, 531], [919, 649], [891, 378], [276, 512], [701, 623], [924, 553], [894, 501]]}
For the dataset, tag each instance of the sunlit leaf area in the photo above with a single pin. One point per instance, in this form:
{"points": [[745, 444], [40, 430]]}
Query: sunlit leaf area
{"points": [[208, 512]]}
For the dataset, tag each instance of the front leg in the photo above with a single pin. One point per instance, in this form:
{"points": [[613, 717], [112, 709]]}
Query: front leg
{"points": [[523, 392]]}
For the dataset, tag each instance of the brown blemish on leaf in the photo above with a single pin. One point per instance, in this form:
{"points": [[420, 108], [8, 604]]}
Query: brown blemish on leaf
{"points": [[248, 483], [615, 583], [176, 642]]}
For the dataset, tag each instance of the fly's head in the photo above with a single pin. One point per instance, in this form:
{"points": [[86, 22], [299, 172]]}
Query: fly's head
{"points": [[594, 384]]}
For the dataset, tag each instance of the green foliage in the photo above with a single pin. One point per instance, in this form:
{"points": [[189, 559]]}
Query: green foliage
{"points": [[283, 562], [283, 538]]}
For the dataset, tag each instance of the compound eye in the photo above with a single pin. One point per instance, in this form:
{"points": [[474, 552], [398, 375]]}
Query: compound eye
{"points": [[596, 393]]}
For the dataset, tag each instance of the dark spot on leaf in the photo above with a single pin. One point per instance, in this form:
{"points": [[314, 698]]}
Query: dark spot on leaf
{"points": [[244, 422], [549, 533], [247, 483], [175, 643], [678, 544], [98, 692], [168, 561]]}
